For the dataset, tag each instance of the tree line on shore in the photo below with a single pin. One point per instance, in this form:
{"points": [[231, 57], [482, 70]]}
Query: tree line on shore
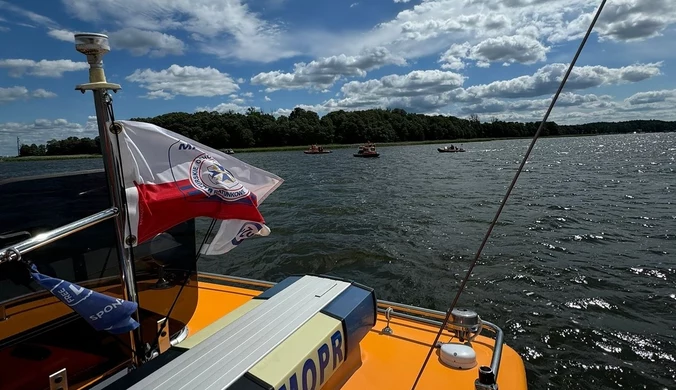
{"points": [[304, 127]]}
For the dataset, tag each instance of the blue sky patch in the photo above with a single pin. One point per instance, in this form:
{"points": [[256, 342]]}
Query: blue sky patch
{"points": [[494, 58]]}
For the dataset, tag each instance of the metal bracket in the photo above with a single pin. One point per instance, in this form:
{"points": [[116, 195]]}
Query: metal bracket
{"points": [[10, 254], [163, 341], [130, 240], [92, 86], [58, 380], [480, 386], [116, 128], [387, 329], [487, 379], [3, 313]]}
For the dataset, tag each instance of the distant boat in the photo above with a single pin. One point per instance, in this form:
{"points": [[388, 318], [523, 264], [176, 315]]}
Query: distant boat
{"points": [[368, 150], [314, 149], [229, 151], [451, 149]]}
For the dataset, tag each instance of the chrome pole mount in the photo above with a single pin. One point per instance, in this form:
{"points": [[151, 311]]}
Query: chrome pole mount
{"points": [[465, 323]]}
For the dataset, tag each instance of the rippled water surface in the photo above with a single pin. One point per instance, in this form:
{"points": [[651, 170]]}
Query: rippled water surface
{"points": [[580, 271]]}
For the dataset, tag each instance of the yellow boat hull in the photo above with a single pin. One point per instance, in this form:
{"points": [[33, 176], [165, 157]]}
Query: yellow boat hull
{"points": [[386, 361], [382, 361]]}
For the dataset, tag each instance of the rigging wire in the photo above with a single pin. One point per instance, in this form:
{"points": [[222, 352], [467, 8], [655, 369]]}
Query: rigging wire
{"points": [[185, 281], [509, 191]]}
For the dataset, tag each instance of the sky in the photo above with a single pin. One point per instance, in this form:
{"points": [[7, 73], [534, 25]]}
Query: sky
{"points": [[495, 58]]}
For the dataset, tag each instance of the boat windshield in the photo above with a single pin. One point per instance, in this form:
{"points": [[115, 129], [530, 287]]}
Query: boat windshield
{"points": [[39, 335]]}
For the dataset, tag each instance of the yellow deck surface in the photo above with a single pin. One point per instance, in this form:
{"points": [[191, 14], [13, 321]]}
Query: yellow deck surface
{"points": [[387, 361]]}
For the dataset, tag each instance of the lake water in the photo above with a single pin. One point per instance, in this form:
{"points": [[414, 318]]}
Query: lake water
{"points": [[580, 272]]}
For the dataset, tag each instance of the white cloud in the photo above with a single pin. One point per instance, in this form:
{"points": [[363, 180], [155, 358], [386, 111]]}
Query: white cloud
{"points": [[415, 83], [507, 49], [237, 103], [32, 16], [42, 130], [21, 93], [42, 68], [138, 42], [546, 79], [53, 29], [423, 90], [183, 80], [461, 34], [323, 73], [227, 28], [651, 97], [159, 94], [43, 94], [354, 5], [230, 29], [572, 108], [567, 99], [62, 35], [142, 42], [624, 20], [427, 27], [13, 93], [435, 91], [433, 25], [226, 107]]}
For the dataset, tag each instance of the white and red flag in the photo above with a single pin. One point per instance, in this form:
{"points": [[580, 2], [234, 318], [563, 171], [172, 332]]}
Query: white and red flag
{"points": [[170, 179]]}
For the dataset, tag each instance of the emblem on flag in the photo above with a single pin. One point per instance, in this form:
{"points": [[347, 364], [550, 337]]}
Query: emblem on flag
{"points": [[210, 177], [248, 230]]}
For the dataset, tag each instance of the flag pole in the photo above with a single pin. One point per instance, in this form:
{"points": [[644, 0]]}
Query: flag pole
{"points": [[95, 46]]}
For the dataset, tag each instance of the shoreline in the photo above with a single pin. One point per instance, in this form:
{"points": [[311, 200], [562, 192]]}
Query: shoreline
{"points": [[302, 147], [50, 158]]}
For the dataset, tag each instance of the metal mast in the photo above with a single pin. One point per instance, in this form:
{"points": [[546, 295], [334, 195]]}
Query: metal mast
{"points": [[95, 46]]}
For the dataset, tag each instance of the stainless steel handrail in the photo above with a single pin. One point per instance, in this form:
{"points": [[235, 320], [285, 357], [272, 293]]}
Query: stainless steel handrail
{"points": [[236, 279], [497, 350], [13, 252], [499, 334], [412, 309]]}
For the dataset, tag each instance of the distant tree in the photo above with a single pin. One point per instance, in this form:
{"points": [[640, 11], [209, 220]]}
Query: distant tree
{"points": [[303, 127]]}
